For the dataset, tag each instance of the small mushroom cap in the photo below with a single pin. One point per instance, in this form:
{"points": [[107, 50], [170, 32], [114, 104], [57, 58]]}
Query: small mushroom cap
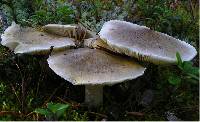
{"points": [[145, 44], [92, 66], [29, 40], [72, 31], [62, 30]]}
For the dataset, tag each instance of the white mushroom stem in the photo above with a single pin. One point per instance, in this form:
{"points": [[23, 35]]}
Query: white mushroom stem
{"points": [[94, 95]]}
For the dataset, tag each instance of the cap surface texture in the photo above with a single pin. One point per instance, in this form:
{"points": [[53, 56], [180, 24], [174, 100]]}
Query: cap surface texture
{"points": [[29, 40], [143, 43], [92, 66]]}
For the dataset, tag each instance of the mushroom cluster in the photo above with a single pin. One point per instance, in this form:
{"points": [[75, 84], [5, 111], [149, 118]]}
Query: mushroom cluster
{"points": [[84, 58]]}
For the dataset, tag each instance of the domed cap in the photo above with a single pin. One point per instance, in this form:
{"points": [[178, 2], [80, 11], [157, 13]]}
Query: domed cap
{"points": [[29, 40], [144, 44], [92, 66]]}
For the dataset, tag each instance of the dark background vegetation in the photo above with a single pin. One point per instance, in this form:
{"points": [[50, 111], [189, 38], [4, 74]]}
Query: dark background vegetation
{"points": [[162, 93]]}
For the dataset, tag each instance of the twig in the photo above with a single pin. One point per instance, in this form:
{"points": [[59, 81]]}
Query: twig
{"points": [[35, 116], [30, 114], [22, 85], [63, 100], [2, 113], [135, 113], [74, 104], [98, 114]]}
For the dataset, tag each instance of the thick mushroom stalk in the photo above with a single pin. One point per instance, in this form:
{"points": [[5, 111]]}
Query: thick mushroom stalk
{"points": [[93, 68]]}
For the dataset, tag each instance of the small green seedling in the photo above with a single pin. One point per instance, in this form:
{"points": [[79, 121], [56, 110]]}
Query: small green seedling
{"points": [[187, 68], [189, 72], [54, 111]]}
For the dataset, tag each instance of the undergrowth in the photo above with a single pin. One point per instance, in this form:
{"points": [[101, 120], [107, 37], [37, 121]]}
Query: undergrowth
{"points": [[29, 90]]}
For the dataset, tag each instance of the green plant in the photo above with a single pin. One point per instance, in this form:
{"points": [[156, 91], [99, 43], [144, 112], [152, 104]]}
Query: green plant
{"points": [[56, 13], [58, 111], [53, 111], [188, 72], [172, 17], [37, 12], [175, 88]]}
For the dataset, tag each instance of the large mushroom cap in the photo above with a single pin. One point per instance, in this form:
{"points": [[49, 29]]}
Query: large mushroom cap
{"points": [[29, 40], [93, 66], [143, 43]]}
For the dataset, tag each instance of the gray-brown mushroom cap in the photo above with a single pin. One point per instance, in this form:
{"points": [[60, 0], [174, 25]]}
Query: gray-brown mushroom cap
{"points": [[29, 40], [73, 31], [143, 43], [92, 67]]}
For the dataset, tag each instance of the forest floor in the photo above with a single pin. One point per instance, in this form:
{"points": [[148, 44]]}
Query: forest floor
{"points": [[162, 93]]}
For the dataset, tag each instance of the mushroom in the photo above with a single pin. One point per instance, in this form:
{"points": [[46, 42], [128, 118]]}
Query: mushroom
{"points": [[97, 67], [76, 31], [93, 68], [32, 41], [90, 67], [143, 43]]}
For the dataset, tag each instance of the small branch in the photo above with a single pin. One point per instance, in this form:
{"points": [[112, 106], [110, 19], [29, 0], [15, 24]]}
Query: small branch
{"points": [[31, 113], [13, 113], [63, 101], [22, 87], [98, 114], [74, 104], [135, 113]]}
